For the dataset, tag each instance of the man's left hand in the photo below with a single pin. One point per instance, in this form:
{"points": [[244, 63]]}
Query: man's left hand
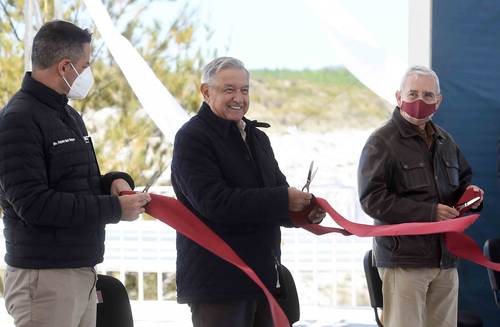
{"points": [[316, 215], [477, 189], [119, 185]]}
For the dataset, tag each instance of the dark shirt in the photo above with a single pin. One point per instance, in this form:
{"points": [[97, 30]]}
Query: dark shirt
{"points": [[427, 133]]}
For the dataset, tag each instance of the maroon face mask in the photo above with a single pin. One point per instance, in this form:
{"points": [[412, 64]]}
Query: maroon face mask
{"points": [[418, 109]]}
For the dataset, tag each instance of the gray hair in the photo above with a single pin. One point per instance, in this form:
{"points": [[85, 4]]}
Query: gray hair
{"points": [[420, 70], [57, 40], [218, 64]]}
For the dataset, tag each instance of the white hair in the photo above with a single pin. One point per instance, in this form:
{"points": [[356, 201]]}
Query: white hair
{"points": [[218, 64], [420, 70]]}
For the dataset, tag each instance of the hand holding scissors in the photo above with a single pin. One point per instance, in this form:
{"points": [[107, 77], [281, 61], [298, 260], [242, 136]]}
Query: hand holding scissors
{"points": [[132, 204], [317, 213]]}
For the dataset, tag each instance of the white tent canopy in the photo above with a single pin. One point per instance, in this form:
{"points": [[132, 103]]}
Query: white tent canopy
{"points": [[375, 65]]}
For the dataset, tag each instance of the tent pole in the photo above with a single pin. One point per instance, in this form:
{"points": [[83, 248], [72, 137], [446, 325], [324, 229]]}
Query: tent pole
{"points": [[28, 33], [32, 21], [420, 32], [57, 9]]}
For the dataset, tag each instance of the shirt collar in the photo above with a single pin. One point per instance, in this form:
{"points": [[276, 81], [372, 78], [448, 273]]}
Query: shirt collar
{"points": [[241, 125], [428, 131], [241, 128]]}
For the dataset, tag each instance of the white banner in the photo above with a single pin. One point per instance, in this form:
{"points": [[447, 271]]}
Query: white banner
{"points": [[160, 105]]}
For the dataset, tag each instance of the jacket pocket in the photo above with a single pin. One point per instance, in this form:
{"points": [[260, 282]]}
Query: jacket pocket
{"points": [[418, 246], [389, 244], [451, 167], [414, 174]]}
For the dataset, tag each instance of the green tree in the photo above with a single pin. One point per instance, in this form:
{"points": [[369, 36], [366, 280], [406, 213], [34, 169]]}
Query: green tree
{"points": [[11, 49], [124, 136]]}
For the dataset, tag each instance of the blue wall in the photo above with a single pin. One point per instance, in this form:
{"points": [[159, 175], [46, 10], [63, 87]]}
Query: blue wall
{"points": [[466, 57]]}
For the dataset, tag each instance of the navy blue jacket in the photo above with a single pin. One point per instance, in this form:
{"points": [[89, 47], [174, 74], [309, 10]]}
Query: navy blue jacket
{"points": [[54, 200], [240, 193]]}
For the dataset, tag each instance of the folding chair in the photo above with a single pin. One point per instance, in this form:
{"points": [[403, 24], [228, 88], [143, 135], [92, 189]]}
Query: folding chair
{"points": [[374, 283], [114, 307], [491, 250]]}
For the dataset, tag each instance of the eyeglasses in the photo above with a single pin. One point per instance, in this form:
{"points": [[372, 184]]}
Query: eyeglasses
{"points": [[424, 95]]}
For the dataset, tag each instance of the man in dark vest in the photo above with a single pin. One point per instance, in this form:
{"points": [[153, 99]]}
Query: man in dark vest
{"points": [[54, 199], [224, 170]]}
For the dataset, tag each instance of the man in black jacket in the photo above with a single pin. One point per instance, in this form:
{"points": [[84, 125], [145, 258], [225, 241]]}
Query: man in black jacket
{"points": [[411, 170], [224, 170], [55, 202]]}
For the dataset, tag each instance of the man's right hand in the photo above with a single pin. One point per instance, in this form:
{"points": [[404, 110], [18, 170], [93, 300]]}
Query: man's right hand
{"points": [[444, 212], [298, 200], [133, 205]]}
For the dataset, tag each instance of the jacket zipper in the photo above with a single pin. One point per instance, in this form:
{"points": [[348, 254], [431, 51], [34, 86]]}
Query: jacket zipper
{"points": [[276, 264]]}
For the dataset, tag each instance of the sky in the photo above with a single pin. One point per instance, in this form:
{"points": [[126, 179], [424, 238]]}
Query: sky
{"points": [[287, 33]]}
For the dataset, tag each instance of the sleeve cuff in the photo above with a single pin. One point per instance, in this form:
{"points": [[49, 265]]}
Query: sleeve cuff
{"points": [[108, 179]]}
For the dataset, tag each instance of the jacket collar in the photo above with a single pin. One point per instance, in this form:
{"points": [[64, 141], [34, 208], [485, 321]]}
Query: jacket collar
{"points": [[406, 129], [44, 93], [223, 126]]}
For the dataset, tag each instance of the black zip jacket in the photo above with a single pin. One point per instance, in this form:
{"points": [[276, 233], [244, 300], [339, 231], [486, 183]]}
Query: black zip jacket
{"points": [[54, 200]]}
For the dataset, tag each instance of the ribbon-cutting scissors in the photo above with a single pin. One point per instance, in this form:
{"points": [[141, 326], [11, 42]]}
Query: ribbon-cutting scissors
{"points": [[153, 179], [310, 176], [464, 205]]}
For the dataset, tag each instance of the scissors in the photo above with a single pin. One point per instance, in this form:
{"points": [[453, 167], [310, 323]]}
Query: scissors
{"points": [[464, 205], [153, 179], [310, 176]]}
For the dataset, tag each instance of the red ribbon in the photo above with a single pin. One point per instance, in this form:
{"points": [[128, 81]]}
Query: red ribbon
{"points": [[175, 214], [457, 243]]}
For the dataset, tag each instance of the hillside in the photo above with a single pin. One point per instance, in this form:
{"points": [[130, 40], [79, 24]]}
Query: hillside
{"points": [[314, 100]]}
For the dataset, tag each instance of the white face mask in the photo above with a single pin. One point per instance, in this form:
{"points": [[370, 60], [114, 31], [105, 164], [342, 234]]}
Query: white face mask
{"points": [[81, 85]]}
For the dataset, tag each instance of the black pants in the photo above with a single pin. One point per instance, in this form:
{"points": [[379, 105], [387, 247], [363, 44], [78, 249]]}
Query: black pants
{"points": [[235, 313]]}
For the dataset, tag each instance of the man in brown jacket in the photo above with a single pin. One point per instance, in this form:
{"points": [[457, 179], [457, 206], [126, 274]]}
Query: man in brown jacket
{"points": [[411, 170]]}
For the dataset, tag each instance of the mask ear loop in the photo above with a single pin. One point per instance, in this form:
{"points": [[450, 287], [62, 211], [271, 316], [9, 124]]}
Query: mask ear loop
{"points": [[64, 78], [74, 69]]}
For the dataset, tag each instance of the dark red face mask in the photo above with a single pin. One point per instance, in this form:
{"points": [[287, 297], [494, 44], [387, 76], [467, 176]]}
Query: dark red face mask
{"points": [[418, 109]]}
